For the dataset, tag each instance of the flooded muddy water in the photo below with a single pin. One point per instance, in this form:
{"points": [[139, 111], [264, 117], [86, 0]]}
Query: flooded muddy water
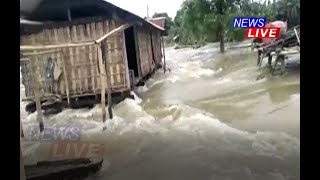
{"points": [[209, 118]]}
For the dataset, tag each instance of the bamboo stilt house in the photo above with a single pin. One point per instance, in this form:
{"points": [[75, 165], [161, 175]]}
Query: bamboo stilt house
{"points": [[78, 51]]}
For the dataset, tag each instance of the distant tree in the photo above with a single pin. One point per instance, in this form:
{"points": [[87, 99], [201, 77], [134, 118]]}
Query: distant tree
{"points": [[211, 20]]}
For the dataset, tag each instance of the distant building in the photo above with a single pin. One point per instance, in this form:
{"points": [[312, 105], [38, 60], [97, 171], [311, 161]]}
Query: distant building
{"points": [[159, 21]]}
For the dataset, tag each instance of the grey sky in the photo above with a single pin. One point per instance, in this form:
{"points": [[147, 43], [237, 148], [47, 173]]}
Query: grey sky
{"points": [[139, 7]]}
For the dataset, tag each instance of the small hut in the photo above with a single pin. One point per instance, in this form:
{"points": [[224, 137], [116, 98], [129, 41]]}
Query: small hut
{"points": [[74, 52]]}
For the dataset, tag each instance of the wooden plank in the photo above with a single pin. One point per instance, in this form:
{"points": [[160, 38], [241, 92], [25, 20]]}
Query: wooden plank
{"points": [[95, 58], [55, 35], [108, 82], [36, 93], [74, 71], [296, 33], [84, 57], [48, 37], [21, 128], [88, 31], [285, 53], [94, 55], [56, 46], [40, 52], [121, 28], [107, 45], [81, 29], [61, 82], [90, 58], [63, 168], [105, 27], [44, 47], [73, 83], [144, 51], [115, 56], [68, 34], [164, 56], [56, 83], [65, 34], [138, 54], [78, 58], [119, 56], [103, 89], [100, 28], [125, 61], [92, 68], [99, 33], [66, 75], [60, 36], [117, 89], [93, 31]]}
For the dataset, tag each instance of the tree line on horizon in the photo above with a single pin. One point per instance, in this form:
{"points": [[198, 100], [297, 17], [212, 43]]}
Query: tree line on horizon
{"points": [[201, 21]]}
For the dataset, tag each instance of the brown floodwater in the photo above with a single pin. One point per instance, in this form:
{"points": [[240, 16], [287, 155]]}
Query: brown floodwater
{"points": [[209, 118]]}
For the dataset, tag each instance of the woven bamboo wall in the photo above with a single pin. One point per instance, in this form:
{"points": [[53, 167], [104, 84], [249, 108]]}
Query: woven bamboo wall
{"points": [[156, 40], [145, 51], [81, 63]]}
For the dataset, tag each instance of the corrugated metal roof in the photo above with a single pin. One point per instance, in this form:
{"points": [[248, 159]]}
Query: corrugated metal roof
{"points": [[160, 22]]}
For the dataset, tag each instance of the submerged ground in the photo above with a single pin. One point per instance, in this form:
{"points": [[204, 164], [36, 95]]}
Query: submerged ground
{"points": [[208, 119]]}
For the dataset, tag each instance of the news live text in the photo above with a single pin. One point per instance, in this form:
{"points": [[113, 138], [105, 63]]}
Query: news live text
{"points": [[65, 142], [76, 150], [256, 27]]}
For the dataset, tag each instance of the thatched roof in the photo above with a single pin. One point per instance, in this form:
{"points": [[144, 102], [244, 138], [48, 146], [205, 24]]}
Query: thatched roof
{"points": [[37, 12]]}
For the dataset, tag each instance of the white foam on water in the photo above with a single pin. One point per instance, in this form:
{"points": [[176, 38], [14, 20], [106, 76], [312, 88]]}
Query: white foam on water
{"points": [[141, 89], [136, 98], [136, 136]]}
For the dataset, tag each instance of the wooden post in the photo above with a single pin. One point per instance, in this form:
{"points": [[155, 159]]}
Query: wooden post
{"points": [[56, 46], [120, 28], [21, 129], [136, 41], [103, 81], [36, 89], [66, 77], [295, 31], [125, 61], [104, 55], [164, 55]]}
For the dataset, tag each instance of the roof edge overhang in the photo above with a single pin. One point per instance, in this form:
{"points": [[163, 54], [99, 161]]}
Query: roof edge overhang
{"points": [[51, 8]]}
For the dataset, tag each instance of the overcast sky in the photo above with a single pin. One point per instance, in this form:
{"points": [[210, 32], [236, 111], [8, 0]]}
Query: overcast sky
{"points": [[139, 7]]}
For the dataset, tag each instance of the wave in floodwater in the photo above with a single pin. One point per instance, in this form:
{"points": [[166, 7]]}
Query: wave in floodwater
{"points": [[179, 126]]}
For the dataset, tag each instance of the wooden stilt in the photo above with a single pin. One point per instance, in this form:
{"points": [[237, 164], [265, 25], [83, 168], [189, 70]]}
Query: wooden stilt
{"points": [[36, 93], [296, 33], [21, 129], [66, 78], [104, 56], [164, 55], [103, 81]]}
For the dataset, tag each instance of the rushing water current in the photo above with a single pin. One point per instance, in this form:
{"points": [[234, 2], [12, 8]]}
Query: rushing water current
{"points": [[209, 118]]}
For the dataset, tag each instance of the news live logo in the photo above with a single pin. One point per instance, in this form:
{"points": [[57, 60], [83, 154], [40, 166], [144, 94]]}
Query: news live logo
{"points": [[54, 133], [256, 27], [64, 142], [76, 150]]}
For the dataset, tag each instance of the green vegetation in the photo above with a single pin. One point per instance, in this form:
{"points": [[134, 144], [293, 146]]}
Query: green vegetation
{"points": [[201, 21]]}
